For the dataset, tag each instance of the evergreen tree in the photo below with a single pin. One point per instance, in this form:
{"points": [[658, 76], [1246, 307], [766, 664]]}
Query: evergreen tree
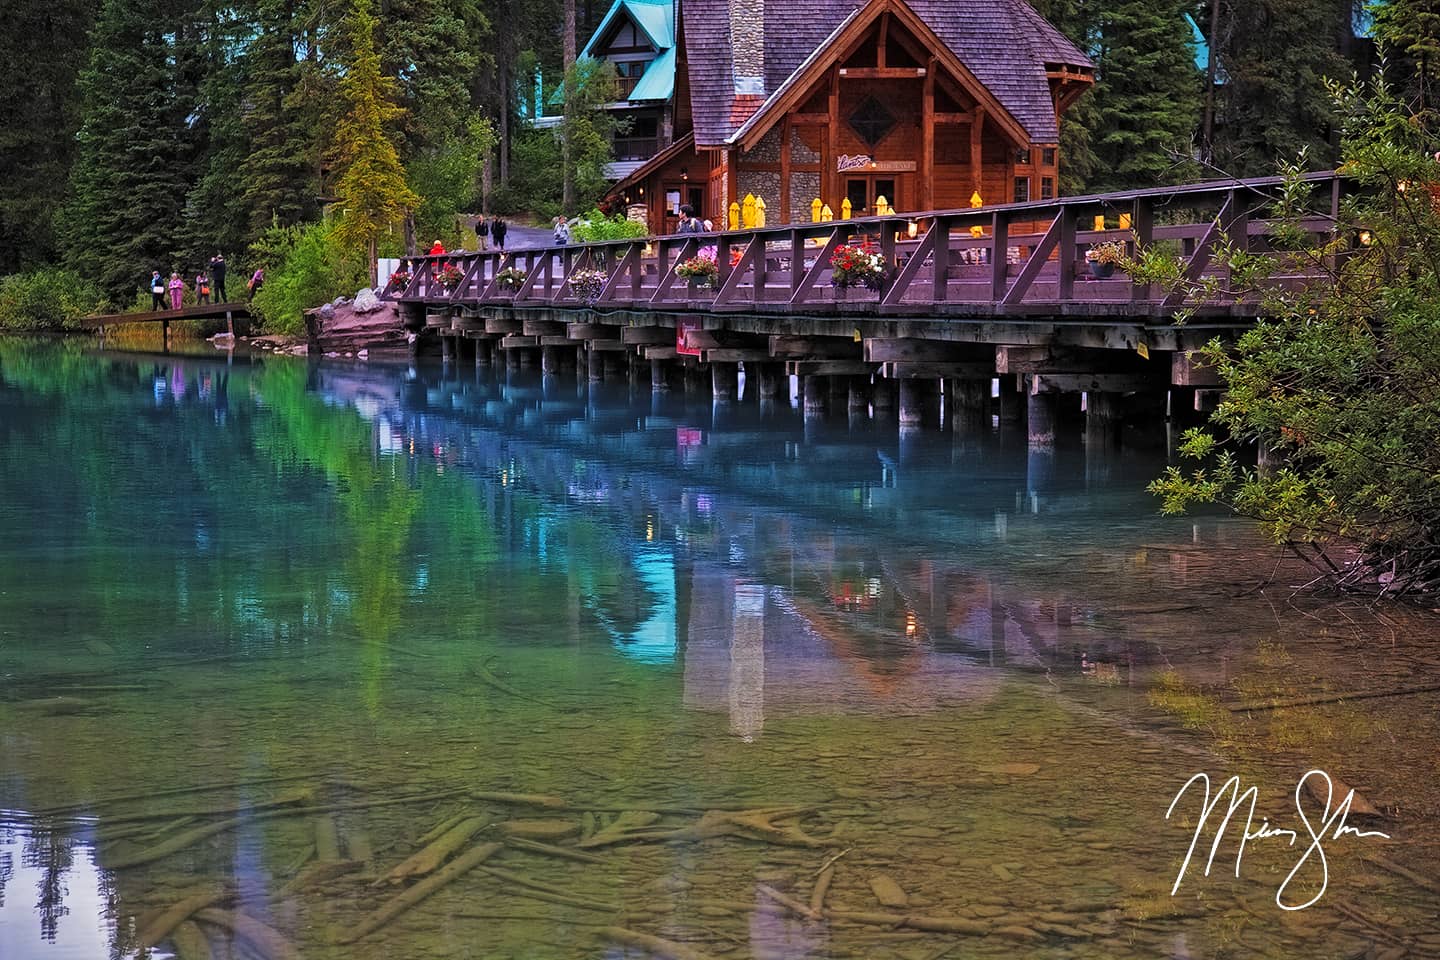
{"points": [[44, 47], [1276, 56], [278, 171], [1147, 94], [371, 188], [435, 51], [215, 216], [128, 182], [1409, 31]]}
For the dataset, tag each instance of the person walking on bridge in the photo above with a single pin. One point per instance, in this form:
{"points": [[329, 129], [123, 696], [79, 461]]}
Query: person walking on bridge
{"points": [[498, 229], [217, 273], [177, 291], [202, 287], [157, 291]]}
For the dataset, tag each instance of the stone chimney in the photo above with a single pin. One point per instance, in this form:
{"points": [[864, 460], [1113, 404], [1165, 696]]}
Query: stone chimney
{"points": [[747, 46]]}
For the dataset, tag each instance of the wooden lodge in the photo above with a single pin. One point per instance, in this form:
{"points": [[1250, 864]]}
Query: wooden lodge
{"points": [[924, 103]]}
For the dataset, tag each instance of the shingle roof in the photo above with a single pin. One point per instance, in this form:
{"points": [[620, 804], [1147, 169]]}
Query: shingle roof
{"points": [[1004, 43]]}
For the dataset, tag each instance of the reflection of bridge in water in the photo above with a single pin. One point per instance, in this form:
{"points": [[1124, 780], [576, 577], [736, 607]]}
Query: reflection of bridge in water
{"points": [[788, 564]]}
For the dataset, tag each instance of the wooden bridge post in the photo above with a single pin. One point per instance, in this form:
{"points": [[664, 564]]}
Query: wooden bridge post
{"points": [[999, 255], [767, 379], [882, 398], [165, 335], [858, 402], [724, 381], [594, 365], [919, 402], [1012, 401], [969, 406], [1103, 416], [660, 376], [940, 259], [817, 396]]}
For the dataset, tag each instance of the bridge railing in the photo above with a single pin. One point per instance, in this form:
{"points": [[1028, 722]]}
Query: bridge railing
{"points": [[1011, 259]]}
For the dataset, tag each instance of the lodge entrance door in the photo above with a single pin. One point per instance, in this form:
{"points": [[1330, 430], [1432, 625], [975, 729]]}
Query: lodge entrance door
{"points": [[864, 189]]}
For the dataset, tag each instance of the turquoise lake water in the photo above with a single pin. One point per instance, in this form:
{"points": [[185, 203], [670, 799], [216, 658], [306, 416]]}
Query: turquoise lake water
{"points": [[266, 625]]}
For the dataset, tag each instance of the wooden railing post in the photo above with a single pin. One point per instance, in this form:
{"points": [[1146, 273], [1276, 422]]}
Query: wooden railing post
{"points": [[797, 261], [1142, 226], [1066, 255], [940, 260], [999, 255]]}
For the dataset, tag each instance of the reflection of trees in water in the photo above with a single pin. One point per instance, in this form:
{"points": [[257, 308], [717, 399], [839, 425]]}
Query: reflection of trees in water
{"points": [[54, 854]]}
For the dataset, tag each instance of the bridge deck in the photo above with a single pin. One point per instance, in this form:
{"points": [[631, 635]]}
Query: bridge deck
{"points": [[1016, 261], [212, 311]]}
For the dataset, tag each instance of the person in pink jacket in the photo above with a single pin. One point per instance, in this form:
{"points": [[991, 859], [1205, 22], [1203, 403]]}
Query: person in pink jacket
{"points": [[177, 291]]}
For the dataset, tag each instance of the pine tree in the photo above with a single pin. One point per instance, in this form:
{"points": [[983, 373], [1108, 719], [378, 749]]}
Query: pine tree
{"points": [[45, 45], [371, 188], [281, 118], [1147, 95], [1276, 56], [1409, 30], [128, 182]]}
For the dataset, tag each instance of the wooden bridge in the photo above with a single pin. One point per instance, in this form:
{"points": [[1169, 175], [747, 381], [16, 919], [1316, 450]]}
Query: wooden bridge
{"points": [[970, 294], [210, 311]]}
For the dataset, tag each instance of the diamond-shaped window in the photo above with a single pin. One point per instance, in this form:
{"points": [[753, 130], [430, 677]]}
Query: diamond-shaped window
{"points": [[871, 121]]}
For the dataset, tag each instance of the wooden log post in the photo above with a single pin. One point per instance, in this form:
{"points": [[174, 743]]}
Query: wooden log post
{"points": [[768, 377], [1042, 411], [724, 381], [1104, 415], [882, 398], [1012, 401], [660, 376], [595, 365], [969, 406], [919, 402], [817, 396], [858, 401]]}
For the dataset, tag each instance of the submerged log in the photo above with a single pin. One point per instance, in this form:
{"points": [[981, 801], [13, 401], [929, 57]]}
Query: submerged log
{"points": [[623, 828], [430, 858], [438, 831], [561, 895], [564, 853], [190, 942], [822, 887], [157, 929], [795, 906], [407, 898], [327, 840], [318, 873], [153, 794], [666, 949], [293, 798], [520, 799], [265, 940]]}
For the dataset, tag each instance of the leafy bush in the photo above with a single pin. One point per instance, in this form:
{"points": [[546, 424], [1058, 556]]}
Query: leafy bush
{"points": [[46, 299], [1340, 382], [305, 266], [595, 226]]}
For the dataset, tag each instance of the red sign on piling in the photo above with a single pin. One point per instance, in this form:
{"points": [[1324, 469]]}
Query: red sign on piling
{"points": [[681, 329]]}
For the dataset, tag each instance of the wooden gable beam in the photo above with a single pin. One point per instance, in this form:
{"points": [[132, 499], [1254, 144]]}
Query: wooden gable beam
{"points": [[848, 40]]}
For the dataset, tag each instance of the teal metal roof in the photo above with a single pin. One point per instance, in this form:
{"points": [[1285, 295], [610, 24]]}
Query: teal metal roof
{"points": [[658, 83], [655, 17]]}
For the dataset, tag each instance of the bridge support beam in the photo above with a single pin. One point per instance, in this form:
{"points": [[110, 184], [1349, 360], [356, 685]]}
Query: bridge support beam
{"points": [[550, 360], [447, 349], [595, 365], [969, 403], [615, 365], [817, 396], [725, 381], [1041, 412], [919, 402]]}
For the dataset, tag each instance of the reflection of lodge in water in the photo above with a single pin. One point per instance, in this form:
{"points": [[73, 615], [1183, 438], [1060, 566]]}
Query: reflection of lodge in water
{"points": [[778, 597]]}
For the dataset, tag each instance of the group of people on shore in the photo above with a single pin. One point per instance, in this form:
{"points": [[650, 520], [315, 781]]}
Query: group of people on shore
{"points": [[209, 285]]}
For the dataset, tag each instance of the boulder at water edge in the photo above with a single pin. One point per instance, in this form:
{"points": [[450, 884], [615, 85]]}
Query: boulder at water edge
{"points": [[367, 302]]}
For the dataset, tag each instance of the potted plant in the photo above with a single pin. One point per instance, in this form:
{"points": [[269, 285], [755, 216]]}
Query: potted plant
{"points": [[858, 265], [399, 280], [1104, 258], [450, 276], [700, 269], [510, 279], [588, 284]]}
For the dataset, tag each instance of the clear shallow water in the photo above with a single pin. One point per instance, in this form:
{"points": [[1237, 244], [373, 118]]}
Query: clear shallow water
{"points": [[386, 599]]}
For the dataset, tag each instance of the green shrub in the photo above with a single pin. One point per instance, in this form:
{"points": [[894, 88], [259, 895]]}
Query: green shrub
{"points": [[305, 266], [595, 226], [46, 299]]}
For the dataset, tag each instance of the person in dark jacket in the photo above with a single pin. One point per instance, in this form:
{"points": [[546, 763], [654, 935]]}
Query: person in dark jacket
{"points": [[498, 229], [157, 291], [482, 231], [688, 222], [217, 274]]}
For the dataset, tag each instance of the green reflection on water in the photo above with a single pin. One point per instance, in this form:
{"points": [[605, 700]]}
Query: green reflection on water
{"points": [[379, 587]]}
